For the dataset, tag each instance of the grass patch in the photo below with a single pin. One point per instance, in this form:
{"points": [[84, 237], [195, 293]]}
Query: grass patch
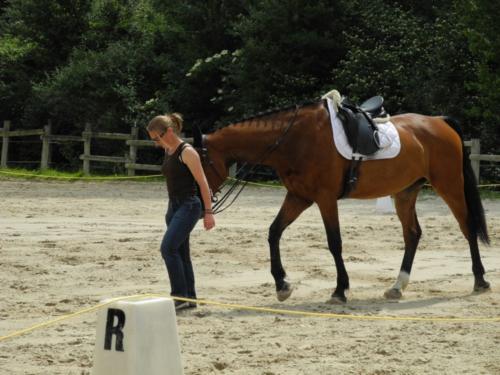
{"points": [[52, 174], [489, 193]]}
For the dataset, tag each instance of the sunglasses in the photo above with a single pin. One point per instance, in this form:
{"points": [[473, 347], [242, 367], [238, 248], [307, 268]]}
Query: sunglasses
{"points": [[157, 139]]}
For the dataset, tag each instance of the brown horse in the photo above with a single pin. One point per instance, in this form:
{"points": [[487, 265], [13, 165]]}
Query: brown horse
{"points": [[298, 144]]}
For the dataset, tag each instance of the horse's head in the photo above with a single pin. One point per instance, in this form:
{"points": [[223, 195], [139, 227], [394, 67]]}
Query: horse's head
{"points": [[213, 162]]}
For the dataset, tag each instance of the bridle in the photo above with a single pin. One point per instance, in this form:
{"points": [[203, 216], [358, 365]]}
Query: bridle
{"points": [[205, 160], [244, 171]]}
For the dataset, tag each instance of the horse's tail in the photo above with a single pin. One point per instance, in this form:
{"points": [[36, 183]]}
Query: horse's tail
{"points": [[475, 219]]}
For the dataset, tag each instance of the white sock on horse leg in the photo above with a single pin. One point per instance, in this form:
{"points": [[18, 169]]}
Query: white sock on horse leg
{"points": [[402, 281]]}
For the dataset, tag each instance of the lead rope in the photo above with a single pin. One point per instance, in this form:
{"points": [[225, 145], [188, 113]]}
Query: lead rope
{"points": [[218, 204]]}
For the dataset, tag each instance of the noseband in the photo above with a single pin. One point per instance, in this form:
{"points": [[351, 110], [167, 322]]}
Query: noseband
{"points": [[205, 160]]}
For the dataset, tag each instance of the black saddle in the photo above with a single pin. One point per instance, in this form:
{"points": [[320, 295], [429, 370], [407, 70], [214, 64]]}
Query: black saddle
{"points": [[361, 132], [358, 124]]}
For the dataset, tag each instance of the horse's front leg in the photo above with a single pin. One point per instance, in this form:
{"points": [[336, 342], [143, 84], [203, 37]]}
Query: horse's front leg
{"points": [[405, 208], [330, 215], [292, 207]]}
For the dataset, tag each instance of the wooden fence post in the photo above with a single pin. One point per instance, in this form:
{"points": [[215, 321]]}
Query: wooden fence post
{"points": [[44, 164], [133, 150], [87, 136], [475, 149], [5, 144]]}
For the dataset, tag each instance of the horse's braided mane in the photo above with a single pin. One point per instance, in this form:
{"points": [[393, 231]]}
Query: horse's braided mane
{"points": [[269, 112]]}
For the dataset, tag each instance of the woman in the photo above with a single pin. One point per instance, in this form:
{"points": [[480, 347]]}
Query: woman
{"points": [[184, 174]]}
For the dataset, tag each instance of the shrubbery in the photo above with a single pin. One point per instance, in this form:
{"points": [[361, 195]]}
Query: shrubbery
{"points": [[116, 63]]}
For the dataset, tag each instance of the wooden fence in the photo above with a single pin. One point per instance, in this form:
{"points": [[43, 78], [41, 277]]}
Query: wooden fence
{"points": [[47, 138], [131, 140]]}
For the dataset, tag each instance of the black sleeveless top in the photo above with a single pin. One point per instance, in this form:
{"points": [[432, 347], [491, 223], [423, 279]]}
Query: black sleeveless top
{"points": [[180, 182]]}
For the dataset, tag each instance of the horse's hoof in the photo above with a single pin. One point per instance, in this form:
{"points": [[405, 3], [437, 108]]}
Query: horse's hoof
{"points": [[285, 292], [338, 297], [481, 286], [393, 294], [337, 300]]}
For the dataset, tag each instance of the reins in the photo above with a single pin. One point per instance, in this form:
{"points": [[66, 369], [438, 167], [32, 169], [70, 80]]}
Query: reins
{"points": [[219, 202]]}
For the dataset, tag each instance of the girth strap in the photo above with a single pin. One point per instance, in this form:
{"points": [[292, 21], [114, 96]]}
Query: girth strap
{"points": [[351, 178]]}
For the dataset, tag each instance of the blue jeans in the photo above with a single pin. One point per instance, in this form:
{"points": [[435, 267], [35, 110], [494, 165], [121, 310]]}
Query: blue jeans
{"points": [[181, 218]]}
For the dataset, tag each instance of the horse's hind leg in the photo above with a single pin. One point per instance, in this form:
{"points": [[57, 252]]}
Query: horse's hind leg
{"points": [[405, 208], [454, 197], [292, 207]]}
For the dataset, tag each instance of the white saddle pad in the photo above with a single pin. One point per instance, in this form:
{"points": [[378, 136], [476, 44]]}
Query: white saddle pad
{"points": [[388, 135]]}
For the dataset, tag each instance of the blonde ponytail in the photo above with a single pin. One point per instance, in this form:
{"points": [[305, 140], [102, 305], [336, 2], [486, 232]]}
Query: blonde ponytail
{"points": [[177, 121], [160, 124]]}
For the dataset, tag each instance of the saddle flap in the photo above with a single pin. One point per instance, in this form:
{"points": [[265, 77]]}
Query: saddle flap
{"points": [[360, 131], [367, 141]]}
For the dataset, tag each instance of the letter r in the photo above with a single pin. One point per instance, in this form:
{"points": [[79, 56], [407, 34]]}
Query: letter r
{"points": [[114, 329]]}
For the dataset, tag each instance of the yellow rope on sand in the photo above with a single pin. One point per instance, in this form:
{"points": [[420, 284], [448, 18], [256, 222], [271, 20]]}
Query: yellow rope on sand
{"points": [[258, 309]]}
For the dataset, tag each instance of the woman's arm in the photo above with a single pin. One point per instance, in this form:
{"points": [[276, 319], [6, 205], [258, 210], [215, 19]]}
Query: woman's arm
{"points": [[191, 158]]}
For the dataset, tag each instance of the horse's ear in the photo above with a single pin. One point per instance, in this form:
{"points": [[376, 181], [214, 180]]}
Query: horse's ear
{"points": [[197, 137]]}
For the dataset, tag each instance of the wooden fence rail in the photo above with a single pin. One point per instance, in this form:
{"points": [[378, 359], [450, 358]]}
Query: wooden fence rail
{"points": [[129, 160]]}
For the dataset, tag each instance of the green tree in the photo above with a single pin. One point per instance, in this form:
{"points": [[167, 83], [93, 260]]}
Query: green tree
{"points": [[418, 66], [483, 32], [109, 76], [429, 10], [140, 52], [288, 49], [36, 37], [15, 79], [195, 32], [99, 87]]}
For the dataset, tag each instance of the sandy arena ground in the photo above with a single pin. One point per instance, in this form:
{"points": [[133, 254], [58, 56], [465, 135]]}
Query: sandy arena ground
{"points": [[66, 246]]}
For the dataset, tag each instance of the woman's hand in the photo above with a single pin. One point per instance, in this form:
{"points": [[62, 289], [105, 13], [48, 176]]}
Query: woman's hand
{"points": [[208, 221]]}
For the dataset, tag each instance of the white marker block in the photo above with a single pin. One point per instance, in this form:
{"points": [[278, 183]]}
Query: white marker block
{"points": [[385, 206], [137, 338]]}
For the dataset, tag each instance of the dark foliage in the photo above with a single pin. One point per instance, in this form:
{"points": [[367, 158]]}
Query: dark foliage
{"points": [[116, 63]]}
